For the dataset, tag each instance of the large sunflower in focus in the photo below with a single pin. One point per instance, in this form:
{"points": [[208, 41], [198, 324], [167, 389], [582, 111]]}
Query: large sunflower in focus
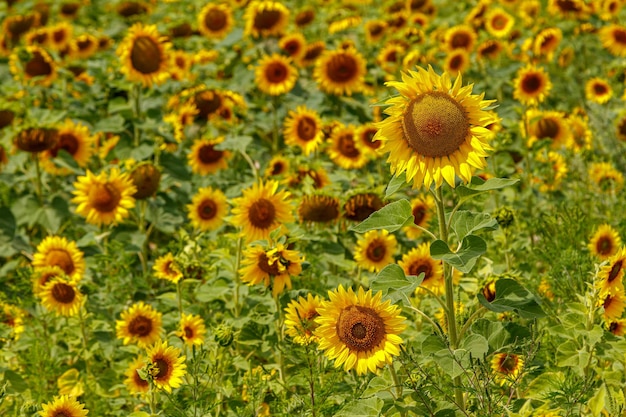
{"points": [[340, 72], [359, 330], [435, 129], [104, 199], [144, 55]]}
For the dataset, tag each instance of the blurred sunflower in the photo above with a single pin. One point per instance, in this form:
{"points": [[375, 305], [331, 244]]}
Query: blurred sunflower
{"points": [[606, 178], [294, 44], [548, 124], [605, 242], [375, 30], [60, 35], [167, 366], [83, 46], [300, 317], [576, 9], [507, 367], [390, 56], [277, 166], [261, 209], [33, 65], [456, 62], [304, 17], [265, 18], [204, 159], [139, 324], [192, 329], [613, 304], [611, 276], [598, 90], [166, 267], [498, 22], [182, 117], [61, 296], [41, 276], [311, 53], [340, 72], [418, 260], [489, 49], [620, 127], [582, 137], [180, 65], [303, 128], [364, 136], [60, 252], [617, 327], [343, 24], [532, 85], [375, 250], [422, 209], [318, 208], [303, 173], [460, 37], [344, 151], [215, 21], [133, 381], [546, 42], [73, 138], [104, 199], [435, 129], [39, 36], [207, 209], [555, 170], [613, 38], [12, 317], [144, 55], [274, 75], [63, 405], [273, 267], [359, 330], [359, 206]]}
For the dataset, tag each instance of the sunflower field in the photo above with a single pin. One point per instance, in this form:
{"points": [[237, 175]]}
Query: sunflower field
{"points": [[312, 208]]}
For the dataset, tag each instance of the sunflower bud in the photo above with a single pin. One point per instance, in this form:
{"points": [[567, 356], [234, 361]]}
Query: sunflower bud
{"points": [[146, 178], [36, 139], [505, 217], [224, 335]]}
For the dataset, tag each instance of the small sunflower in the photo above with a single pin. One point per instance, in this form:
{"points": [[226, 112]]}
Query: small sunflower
{"points": [[550, 124], [300, 317], [303, 128], [460, 37], [375, 250], [344, 150], [417, 261], [42, 275], [134, 382], [582, 137], [456, 62], [181, 118], [294, 45], [139, 324], [532, 85], [104, 199], [12, 317], [204, 159], [192, 329], [318, 175], [311, 53], [498, 22], [274, 75], [576, 9], [605, 242], [273, 267], [620, 127], [261, 209], [610, 277], [390, 56], [340, 72], [144, 55], [166, 267], [546, 42], [359, 330], [207, 209], [83, 46], [555, 169], [422, 209], [167, 367], [436, 130], [34, 65], [489, 49], [613, 38], [60, 252], [265, 18], [598, 90], [65, 406], [606, 178], [305, 17], [375, 30], [277, 166], [60, 35], [61, 296], [613, 304], [617, 327], [73, 138], [364, 135], [318, 209], [180, 65], [360, 206], [507, 367], [215, 21]]}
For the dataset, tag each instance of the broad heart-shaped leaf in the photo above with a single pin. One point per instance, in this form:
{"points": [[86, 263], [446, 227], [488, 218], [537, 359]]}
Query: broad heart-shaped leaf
{"points": [[476, 345], [235, 143], [398, 181], [395, 285], [511, 296], [477, 186], [467, 222], [391, 217], [472, 247], [7, 222], [366, 407]]}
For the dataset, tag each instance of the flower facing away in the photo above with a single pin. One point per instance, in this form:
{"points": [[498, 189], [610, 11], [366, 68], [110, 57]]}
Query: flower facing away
{"points": [[36, 139], [61, 296], [165, 267], [274, 75], [133, 381], [12, 317], [140, 324], [375, 250], [418, 261], [207, 209], [611, 276], [273, 267], [65, 406], [359, 206], [192, 329], [104, 199], [167, 367], [359, 330], [605, 242], [507, 367], [144, 55], [60, 252], [300, 317], [436, 130], [532, 85], [318, 208]]}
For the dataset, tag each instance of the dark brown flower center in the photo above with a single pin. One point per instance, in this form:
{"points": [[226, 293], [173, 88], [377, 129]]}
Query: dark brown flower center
{"points": [[608, 301], [278, 168], [304, 18], [262, 213], [313, 52], [531, 83], [68, 142], [62, 259], [207, 210], [367, 137], [347, 147], [209, 155], [435, 125], [104, 197], [456, 62], [59, 35], [140, 326], [341, 68], [604, 246], [599, 89], [207, 103], [460, 40], [419, 213], [416, 268], [292, 47], [499, 22], [266, 19], [376, 251], [62, 414], [36, 139], [319, 209], [619, 36], [6, 118], [63, 293], [189, 333], [361, 206], [307, 128], [508, 364], [267, 267], [85, 44], [360, 328], [215, 20], [615, 270], [163, 367], [138, 381], [38, 66], [145, 55], [621, 129], [276, 72]]}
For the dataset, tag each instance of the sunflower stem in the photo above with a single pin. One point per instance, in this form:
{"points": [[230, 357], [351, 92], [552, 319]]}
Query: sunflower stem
{"points": [[83, 332], [397, 385], [279, 336], [311, 379], [179, 297], [275, 124], [152, 401], [38, 182], [237, 280], [136, 93]]}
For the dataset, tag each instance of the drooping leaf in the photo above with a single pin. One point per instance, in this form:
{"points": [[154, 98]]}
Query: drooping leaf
{"points": [[467, 222], [394, 284], [511, 296], [472, 247], [391, 217], [477, 186], [397, 182]]}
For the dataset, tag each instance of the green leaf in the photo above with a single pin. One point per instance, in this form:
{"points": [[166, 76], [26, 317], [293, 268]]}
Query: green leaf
{"points": [[367, 407], [391, 217], [398, 181], [176, 167], [479, 186], [597, 403], [476, 345], [511, 296], [467, 222], [112, 124], [432, 344], [235, 143], [472, 247], [493, 331], [16, 380], [453, 365], [394, 284], [7, 222]]}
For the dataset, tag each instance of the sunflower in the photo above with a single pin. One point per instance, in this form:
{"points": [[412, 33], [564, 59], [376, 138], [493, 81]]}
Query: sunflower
{"points": [[274, 75], [300, 317], [104, 199], [340, 72], [207, 209], [265, 18], [166, 267], [610, 277], [613, 304], [61, 296], [261, 209], [42, 275], [144, 55], [360, 206], [582, 137], [273, 266], [204, 159], [550, 125], [277, 166], [489, 49], [532, 85], [460, 37], [359, 330], [546, 42], [598, 90], [39, 36], [605, 242], [375, 30], [303, 128], [33, 66], [620, 127], [180, 65], [181, 118], [60, 35], [63, 405], [375, 250], [12, 317], [139, 324], [617, 327], [507, 367], [498, 22], [343, 24], [422, 209], [390, 56], [613, 38], [192, 329], [215, 20], [436, 130], [318, 175], [73, 138], [167, 367], [344, 150], [568, 8], [311, 53], [83, 46], [294, 45], [318, 208], [418, 260], [60, 252], [606, 177], [364, 135], [456, 62], [134, 382]]}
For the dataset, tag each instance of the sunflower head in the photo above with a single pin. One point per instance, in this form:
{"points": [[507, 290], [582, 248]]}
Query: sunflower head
{"points": [[144, 55], [359, 206], [145, 178], [215, 20], [318, 208], [36, 139], [63, 405], [275, 75], [166, 366], [300, 317], [192, 330], [532, 85], [340, 72], [375, 250], [265, 18], [507, 367], [62, 296], [140, 324], [208, 209], [166, 267]]}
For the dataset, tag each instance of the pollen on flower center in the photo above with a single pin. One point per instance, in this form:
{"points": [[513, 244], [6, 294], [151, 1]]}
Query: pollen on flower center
{"points": [[435, 125], [104, 197], [360, 328]]}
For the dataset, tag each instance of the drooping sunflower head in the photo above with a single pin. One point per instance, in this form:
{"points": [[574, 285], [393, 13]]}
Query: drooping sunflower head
{"points": [[613, 38], [359, 330], [359, 206], [605, 242], [598, 90], [62, 296], [205, 159], [215, 20], [274, 75], [532, 85], [265, 18], [167, 268], [418, 261], [435, 130], [63, 405], [375, 250], [340, 72], [144, 55], [611, 276], [146, 178], [167, 366], [318, 208], [300, 317], [57, 251], [139, 324], [192, 329], [507, 367], [208, 208], [36, 139]]}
